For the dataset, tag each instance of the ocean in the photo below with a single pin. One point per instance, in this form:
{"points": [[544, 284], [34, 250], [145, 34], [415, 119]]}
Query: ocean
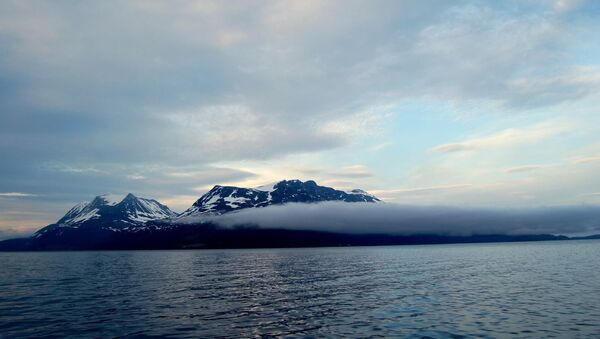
{"points": [[502, 290]]}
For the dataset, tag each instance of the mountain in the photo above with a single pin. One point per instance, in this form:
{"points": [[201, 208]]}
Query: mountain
{"points": [[112, 213], [110, 222], [91, 223], [224, 199]]}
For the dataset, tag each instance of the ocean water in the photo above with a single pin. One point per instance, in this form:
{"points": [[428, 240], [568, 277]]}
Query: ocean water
{"points": [[541, 289]]}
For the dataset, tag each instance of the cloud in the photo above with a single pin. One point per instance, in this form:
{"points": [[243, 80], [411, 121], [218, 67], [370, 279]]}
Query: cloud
{"points": [[136, 177], [556, 180], [410, 220], [380, 146], [11, 233], [571, 84], [222, 81], [562, 6], [521, 169], [206, 174], [586, 160], [117, 96], [509, 137], [233, 132], [352, 171], [72, 169], [419, 190], [15, 195]]}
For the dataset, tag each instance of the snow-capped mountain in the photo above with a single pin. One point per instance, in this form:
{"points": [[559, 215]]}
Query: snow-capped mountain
{"points": [[130, 222], [223, 199], [112, 212], [112, 222]]}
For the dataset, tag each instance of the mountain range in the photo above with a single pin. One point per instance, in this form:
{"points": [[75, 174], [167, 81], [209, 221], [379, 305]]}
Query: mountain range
{"points": [[108, 216], [112, 212], [224, 199], [130, 213], [131, 222]]}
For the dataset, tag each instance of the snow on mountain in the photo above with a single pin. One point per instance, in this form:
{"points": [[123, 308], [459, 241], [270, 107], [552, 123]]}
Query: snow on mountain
{"points": [[113, 212], [74, 212], [131, 213], [224, 199], [363, 195], [111, 199], [143, 210]]}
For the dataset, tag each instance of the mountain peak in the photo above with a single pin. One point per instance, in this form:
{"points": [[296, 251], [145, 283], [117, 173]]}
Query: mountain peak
{"points": [[224, 199], [115, 212], [108, 199], [129, 197]]}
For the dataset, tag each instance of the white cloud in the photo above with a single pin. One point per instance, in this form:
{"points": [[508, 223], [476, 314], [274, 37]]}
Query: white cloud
{"points": [[61, 167], [571, 84], [380, 146], [509, 137], [521, 169], [560, 183], [258, 72], [136, 177], [586, 160], [352, 171], [420, 190], [410, 220], [562, 6], [15, 195]]}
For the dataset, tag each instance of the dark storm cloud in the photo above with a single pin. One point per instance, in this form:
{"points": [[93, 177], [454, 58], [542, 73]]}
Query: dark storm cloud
{"points": [[408, 220]]}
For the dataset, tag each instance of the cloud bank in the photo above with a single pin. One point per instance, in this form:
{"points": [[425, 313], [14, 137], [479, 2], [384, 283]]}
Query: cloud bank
{"points": [[11, 233], [258, 72], [410, 220]]}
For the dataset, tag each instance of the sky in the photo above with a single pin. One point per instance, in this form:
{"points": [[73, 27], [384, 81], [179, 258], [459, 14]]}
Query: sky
{"points": [[464, 104]]}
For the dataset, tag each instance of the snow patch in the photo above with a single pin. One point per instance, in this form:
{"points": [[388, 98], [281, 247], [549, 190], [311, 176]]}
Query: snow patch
{"points": [[112, 199], [85, 216], [267, 188], [233, 202]]}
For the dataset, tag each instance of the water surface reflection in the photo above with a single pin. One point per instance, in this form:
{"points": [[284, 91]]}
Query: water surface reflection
{"points": [[492, 290]]}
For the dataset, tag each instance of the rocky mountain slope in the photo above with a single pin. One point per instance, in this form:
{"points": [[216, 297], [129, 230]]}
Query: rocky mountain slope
{"points": [[224, 199]]}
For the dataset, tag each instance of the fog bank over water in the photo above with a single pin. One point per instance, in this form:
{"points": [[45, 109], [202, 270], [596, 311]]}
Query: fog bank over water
{"points": [[395, 219], [407, 220], [13, 233]]}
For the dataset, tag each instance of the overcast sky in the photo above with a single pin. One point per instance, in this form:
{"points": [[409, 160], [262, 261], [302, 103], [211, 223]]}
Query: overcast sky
{"points": [[454, 103]]}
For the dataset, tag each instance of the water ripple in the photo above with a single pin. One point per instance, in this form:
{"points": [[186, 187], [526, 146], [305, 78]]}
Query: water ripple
{"points": [[534, 290]]}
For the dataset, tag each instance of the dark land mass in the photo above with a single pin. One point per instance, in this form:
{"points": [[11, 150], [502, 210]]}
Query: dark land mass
{"points": [[210, 236]]}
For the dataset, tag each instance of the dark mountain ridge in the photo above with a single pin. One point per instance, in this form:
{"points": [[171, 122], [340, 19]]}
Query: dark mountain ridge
{"points": [[224, 199]]}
